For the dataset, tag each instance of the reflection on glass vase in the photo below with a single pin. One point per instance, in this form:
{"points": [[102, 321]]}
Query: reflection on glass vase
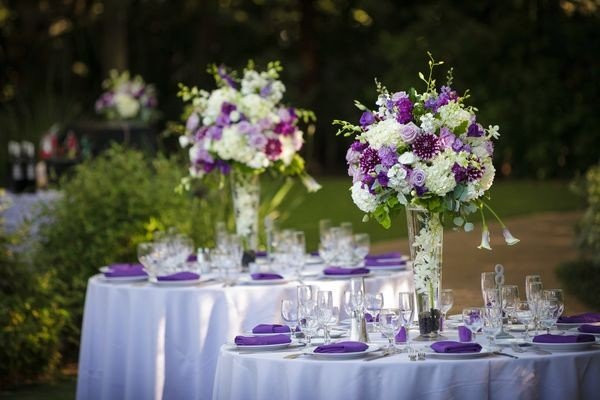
{"points": [[426, 237], [245, 188]]}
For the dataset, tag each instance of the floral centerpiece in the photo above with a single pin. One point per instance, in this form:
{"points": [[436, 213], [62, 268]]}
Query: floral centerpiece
{"points": [[426, 152], [243, 129], [127, 98]]}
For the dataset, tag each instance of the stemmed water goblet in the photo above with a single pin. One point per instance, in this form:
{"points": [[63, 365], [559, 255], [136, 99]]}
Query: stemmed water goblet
{"points": [[555, 295], [524, 315], [324, 309], [406, 304], [510, 298], [361, 243], [389, 322], [492, 324], [446, 303], [473, 319], [549, 313], [373, 304], [289, 314], [308, 320]]}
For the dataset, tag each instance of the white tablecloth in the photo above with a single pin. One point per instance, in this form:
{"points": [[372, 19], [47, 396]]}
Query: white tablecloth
{"points": [[561, 376], [140, 341]]}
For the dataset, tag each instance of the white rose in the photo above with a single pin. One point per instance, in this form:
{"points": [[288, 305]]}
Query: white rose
{"points": [[407, 158]]}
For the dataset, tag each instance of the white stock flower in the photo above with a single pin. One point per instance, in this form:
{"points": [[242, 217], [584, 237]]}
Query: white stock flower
{"points": [[255, 107], [452, 115], [428, 123], [383, 133], [397, 179], [363, 199], [127, 106]]}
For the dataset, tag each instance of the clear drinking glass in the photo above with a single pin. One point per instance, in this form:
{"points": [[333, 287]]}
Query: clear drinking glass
{"points": [[147, 257], [534, 298], [524, 316], [297, 252], [308, 321], [406, 302], [492, 324], [446, 303], [492, 297], [528, 280], [555, 295], [488, 281], [510, 298], [362, 244], [389, 322], [373, 304], [324, 312], [549, 314], [289, 313], [473, 319]]}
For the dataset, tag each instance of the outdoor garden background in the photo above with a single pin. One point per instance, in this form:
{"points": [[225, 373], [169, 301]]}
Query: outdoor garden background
{"points": [[532, 66]]}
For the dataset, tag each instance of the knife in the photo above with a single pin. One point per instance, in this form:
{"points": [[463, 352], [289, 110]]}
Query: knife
{"points": [[377, 357], [499, 353]]}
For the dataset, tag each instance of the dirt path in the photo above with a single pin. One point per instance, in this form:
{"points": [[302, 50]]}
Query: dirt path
{"points": [[546, 241]]}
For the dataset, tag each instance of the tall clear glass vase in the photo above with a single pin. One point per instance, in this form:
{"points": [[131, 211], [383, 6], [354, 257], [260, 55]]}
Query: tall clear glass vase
{"points": [[245, 188], [426, 238]]}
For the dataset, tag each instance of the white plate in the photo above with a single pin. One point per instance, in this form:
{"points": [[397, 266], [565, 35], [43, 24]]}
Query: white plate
{"points": [[349, 276], [455, 356], [313, 260], [124, 279], [262, 347], [179, 283], [455, 317], [341, 356], [564, 326], [394, 259], [246, 280], [576, 331], [250, 333], [563, 346]]}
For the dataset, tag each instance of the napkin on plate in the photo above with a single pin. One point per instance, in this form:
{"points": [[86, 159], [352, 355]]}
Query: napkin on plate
{"points": [[262, 340], [563, 338], [401, 336], [263, 276], [383, 256], [448, 346], [342, 347], [260, 253], [375, 262], [192, 258], [122, 270], [179, 276], [586, 328], [345, 271], [580, 318], [270, 328], [464, 334]]}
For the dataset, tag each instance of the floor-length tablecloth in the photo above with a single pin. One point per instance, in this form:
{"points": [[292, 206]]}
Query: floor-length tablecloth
{"points": [[561, 376], [140, 341]]}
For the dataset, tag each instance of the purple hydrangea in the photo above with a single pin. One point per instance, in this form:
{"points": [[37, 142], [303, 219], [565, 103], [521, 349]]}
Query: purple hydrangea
{"points": [[388, 156], [458, 145], [409, 132], [257, 140], [367, 118], [369, 159], [426, 146], [475, 130]]}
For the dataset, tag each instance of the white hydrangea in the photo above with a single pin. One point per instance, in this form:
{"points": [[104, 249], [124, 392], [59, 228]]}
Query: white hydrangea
{"points": [[254, 82], [428, 123], [215, 101], [255, 107], [363, 199], [127, 105], [383, 133], [439, 178], [452, 115], [233, 146], [397, 179]]}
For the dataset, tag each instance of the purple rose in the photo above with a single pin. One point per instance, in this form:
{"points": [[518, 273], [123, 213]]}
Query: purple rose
{"points": [[417, 177], [409, 132], [388, 156], [447, 138], [366, 119]]}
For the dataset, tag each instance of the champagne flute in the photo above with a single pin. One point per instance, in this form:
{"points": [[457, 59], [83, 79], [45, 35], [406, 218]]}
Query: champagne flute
{"points": [[446, 303], [488, 281]]}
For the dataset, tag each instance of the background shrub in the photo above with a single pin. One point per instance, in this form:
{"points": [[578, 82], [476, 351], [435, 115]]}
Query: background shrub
{"points": [[108, 206]]}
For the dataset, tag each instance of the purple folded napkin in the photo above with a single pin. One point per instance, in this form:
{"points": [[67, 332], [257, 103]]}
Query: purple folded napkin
{"points": [[345, 271], [373, 262], [464, 334], [580, 318], [179, 276], [122, 270], [260, 253], [369, 318], [263, 276], [563, 338], [342, 347], [270, 328], [262, 340], [192, 258], [448, 346], [401, 336], [383, 256], [587, 328]]}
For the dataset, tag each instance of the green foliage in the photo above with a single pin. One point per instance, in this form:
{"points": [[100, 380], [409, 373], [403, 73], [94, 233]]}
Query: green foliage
{"points": [[111, 204], [581, 278], [588, 235], [31, 317]]}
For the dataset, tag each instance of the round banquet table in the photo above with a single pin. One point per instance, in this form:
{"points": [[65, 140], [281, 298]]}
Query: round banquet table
{"points": [[268, 375], [140, 341]]}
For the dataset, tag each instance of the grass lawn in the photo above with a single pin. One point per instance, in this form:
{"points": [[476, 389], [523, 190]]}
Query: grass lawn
{"points": [[333, 201], [64, 389]]}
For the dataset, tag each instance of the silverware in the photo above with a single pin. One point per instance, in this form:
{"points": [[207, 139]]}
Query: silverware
{"points": [[499, 353], [293, 356], [378, 356]]}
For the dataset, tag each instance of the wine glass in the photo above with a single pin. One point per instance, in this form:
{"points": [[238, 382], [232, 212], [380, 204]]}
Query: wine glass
{"points": [[147, 257], [324, 227], [406, 304], [535, 298], [492, 297], [389, 323], [446, 303], [510, 297], [492, 324], [473, 319], [362, 244], [308, 321], [297, 253], [549, 314], [304, 294], [524, 315], [488, 281], [324, 311], [289, 313], [555, 295], [373, 304]]}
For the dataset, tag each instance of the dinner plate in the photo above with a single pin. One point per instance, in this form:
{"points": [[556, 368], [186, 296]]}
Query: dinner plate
{"points": [[349, 276], [562, 346], [564, 326], [576, 331], [188, 282], [246, 280], [124, 279], [430, 353], [262, 347], [313, 260], [341, 356], [250, 333]]}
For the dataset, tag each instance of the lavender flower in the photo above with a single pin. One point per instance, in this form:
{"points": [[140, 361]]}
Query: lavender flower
{"points": [[460, 173], [409, 132], [355, 172], [475, 130], [383, 179], [404, 106], [257, 140], [426, 146], [358, 146], [352, 156], [215, 132], [457, 145], [388, 156], [366, 119]]}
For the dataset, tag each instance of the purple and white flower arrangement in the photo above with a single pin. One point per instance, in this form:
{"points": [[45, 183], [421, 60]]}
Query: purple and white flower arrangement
{"points": [[243, 125], [425, 150], [127, 98]]}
